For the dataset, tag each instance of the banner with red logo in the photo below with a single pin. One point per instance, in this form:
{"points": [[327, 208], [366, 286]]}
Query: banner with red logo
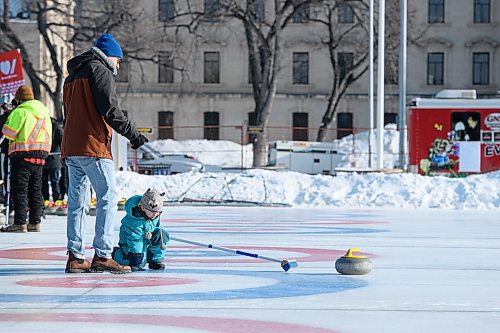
{"points": [[11, 73]]}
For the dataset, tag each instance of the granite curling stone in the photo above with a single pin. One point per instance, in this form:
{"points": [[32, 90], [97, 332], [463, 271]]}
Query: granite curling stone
{"points": [[351, 264], [92, 211], [62, 210]]}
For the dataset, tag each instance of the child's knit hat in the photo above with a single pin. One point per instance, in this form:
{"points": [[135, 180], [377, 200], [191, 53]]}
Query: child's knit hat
{"points": [[152, 200]]}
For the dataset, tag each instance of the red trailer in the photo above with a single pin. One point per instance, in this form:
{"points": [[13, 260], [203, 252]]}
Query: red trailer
{"points": [[450, 135]]}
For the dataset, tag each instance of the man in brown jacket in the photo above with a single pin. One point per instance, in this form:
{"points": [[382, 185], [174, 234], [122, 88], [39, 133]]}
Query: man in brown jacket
{"points": [[92, 112]]}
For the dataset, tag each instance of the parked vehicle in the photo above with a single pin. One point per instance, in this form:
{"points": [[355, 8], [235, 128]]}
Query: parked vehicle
{"points": [[147, 160], [304, 156], [454, 133]]}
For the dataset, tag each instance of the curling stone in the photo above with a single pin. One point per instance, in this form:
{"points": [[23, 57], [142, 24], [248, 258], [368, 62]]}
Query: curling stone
{"points": [[351, 264], [62, 210], [121, 204], [51, 208], [92, 211]]}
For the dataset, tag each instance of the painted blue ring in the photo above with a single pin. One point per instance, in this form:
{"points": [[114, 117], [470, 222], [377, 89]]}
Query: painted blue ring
{"points": [[289, 285]]}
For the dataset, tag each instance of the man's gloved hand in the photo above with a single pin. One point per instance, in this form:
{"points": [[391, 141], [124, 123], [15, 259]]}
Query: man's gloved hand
{"points": [[139, 141]]}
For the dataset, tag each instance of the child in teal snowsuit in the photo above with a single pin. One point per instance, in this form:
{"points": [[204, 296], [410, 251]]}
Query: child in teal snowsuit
{"points": [[141, 238]]}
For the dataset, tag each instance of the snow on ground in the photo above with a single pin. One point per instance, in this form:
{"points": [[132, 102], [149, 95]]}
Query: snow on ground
{"points": [[346, 190]]}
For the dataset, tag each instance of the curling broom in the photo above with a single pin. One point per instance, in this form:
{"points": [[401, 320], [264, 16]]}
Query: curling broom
{"points": [[285, 264]]}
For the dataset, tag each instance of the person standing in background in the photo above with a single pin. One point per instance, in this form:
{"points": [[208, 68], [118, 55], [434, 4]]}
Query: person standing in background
{"points": [[91, 113], [63, 180], [4, 146], [28, 128], [52, 169]]}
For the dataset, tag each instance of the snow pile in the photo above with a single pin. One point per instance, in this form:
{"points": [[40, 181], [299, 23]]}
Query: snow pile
{"points": [[344, 191]]}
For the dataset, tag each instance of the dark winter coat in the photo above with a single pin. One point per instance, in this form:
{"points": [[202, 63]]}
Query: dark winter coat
{"points": [[4, 146], [53, 161], [91, 107]]}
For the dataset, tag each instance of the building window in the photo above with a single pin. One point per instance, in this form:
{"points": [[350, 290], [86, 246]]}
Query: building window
{"points": [[436, 11], [122, 75], [390, 118], [211, 125], [481, 11], [301, 15], [212, 10], [166, 10], [435, 68], [481, 68], [166, 67], [391, 75], [344, 124], [345, 14], [300, 127], [18, 9], [211, 63], [300, 68], [346, 61], [257, 10], [165, 125]]}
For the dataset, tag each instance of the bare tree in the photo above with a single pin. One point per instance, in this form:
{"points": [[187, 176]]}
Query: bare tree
{"points": [[346, 26], [60, 27], [263, 36], [264, 42]]}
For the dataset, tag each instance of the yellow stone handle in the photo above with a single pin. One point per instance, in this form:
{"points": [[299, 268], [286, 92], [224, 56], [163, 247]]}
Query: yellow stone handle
{"points": [[350, 254]]}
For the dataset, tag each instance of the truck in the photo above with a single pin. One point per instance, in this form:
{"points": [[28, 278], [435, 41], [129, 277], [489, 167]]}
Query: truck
{"points": [[304, 156], [453, 134]]}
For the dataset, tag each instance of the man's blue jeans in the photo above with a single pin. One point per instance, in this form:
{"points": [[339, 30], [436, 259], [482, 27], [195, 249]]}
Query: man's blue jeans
{"points": [[84, 171]]}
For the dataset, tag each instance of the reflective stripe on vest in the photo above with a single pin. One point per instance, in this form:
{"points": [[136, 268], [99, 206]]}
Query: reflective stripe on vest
{"points": [[31, 143], [9, 132]]}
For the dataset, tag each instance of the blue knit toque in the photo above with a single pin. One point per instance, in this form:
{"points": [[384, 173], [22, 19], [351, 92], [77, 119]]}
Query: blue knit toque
{"points": [[108, 45]]}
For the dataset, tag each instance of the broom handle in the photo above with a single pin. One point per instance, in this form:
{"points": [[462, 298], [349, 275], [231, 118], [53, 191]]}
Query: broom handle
{"points": [[225, 249]]}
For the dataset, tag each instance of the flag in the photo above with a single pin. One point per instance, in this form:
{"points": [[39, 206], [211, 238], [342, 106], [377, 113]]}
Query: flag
{"points": [[11, 74]]}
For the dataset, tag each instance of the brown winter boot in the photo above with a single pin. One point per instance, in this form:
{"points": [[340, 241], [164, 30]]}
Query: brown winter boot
{"points": [[75, 265], [100, 265], [34, 227], [15, 228]]}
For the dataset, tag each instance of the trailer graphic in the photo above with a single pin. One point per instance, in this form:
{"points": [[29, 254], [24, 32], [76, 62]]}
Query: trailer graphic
{"points": [[454, 135]]}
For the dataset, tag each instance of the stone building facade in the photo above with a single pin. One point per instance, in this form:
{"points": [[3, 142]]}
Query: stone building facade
{"points": [[454, 45], [457, 49]]}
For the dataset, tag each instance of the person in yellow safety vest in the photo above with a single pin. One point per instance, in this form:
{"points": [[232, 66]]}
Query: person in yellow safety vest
{"points": [[28, 128]]}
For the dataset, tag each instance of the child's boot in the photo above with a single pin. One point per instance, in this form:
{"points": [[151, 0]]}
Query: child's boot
{"points": [[157, 266]]}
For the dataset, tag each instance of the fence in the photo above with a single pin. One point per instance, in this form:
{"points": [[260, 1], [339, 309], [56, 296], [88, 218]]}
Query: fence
{"points": [[352, 143]]}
